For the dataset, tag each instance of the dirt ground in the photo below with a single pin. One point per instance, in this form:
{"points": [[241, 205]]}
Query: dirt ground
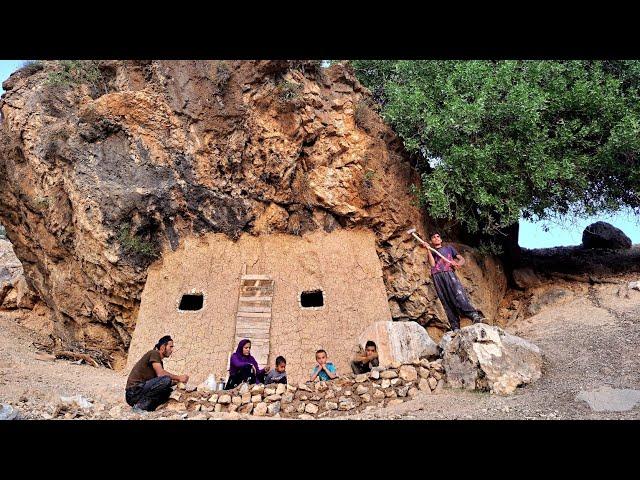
{"points": [[588, 333]]}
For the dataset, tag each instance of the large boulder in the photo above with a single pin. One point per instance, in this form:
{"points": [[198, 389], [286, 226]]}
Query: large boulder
{"points": [[484, 357], [604, 235], [399, 342]]}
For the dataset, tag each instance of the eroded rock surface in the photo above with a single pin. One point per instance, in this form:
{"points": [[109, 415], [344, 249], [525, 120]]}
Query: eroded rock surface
{"points": [[96, 180]]}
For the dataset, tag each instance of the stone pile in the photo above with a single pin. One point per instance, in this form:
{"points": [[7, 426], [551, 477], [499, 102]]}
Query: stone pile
{"points": [[347, 394]]}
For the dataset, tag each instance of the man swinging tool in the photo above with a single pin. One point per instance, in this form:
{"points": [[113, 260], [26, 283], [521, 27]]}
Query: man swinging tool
{"points": [[448, 287]]}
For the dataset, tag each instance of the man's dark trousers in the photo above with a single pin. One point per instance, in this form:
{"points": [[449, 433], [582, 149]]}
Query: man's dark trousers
{"points": [[149, 395], [453, 297]]}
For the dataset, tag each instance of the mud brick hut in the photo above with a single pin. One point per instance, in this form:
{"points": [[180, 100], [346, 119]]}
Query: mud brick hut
{"points": [[290, 295]]}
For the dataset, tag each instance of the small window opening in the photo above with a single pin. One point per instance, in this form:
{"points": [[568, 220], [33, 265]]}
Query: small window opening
{"points": [[191, 302], [313, 298]]}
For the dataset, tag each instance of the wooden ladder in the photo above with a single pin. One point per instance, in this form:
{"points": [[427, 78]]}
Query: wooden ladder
{"points": [[253, 318]]}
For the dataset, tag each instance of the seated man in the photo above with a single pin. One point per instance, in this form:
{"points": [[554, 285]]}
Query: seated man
{"points": [[149, 384], [364, 361]]}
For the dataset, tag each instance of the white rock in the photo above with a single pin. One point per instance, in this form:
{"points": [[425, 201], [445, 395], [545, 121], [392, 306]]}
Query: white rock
{"points": [[375, 374], [485, 357], [388, 374], [346, 403], [311, 408], [423, 385], [76, 400], [432, 383], [361, 378], [408, 373], [260, 410], [213, 398], [386, 383], [274, 408], [361, 389], [256, 399], [287, 397], [257, 389], [281, 388], [444, 341], [7, 412], [224, 399]]}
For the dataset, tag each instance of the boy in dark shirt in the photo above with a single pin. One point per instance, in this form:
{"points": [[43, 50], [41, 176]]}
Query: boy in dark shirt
{"points": [[278, 374], [149, 384], [364, 361], [448, 287]]}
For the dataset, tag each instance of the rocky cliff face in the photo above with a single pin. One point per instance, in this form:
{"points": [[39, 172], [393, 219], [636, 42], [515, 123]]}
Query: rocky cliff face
{"points": [[104, 168]]}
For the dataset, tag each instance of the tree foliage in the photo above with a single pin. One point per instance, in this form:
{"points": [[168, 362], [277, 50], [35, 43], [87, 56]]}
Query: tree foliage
{"points": [[500, 139]]}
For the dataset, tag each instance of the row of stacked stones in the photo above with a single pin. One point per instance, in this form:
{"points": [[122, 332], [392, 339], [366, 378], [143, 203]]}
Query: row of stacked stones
{"points": [[347, 394]]}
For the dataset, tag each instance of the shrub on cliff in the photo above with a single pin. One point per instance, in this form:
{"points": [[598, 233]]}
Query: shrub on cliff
{"points": [[499, 139], [132, 244], [68, 72]]}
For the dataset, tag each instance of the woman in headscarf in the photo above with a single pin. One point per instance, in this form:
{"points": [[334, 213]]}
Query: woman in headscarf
{"points": [[243, 367]]}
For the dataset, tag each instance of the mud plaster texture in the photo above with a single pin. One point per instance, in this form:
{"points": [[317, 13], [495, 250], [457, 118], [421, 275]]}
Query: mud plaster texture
{"points": [[343, 264]]}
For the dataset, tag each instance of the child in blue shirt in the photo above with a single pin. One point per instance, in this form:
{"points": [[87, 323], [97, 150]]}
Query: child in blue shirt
{"points": [[323, 370]]}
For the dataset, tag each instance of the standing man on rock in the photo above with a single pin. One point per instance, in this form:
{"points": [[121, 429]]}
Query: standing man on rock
{"points": [[450, 291], [149, 384]]}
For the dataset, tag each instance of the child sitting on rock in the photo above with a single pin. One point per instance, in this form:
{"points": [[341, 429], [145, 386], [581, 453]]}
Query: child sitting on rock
{"points": [[278, 374], [323, 370]]}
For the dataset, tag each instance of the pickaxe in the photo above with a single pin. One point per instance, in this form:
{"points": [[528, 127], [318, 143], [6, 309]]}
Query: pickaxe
{"points": [[415, 235]]}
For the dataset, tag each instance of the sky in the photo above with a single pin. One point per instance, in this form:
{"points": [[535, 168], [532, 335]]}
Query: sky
{"points": [[567, 231]]}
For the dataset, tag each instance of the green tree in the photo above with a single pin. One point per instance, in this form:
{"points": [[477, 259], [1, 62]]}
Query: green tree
{"points": [[500, 139]]}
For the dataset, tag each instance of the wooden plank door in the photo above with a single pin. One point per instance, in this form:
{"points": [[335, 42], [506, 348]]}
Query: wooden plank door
{"points": [[253, 319]]}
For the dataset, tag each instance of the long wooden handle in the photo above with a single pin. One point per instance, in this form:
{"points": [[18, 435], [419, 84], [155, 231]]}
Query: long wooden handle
{"points": [[431, 248]]}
